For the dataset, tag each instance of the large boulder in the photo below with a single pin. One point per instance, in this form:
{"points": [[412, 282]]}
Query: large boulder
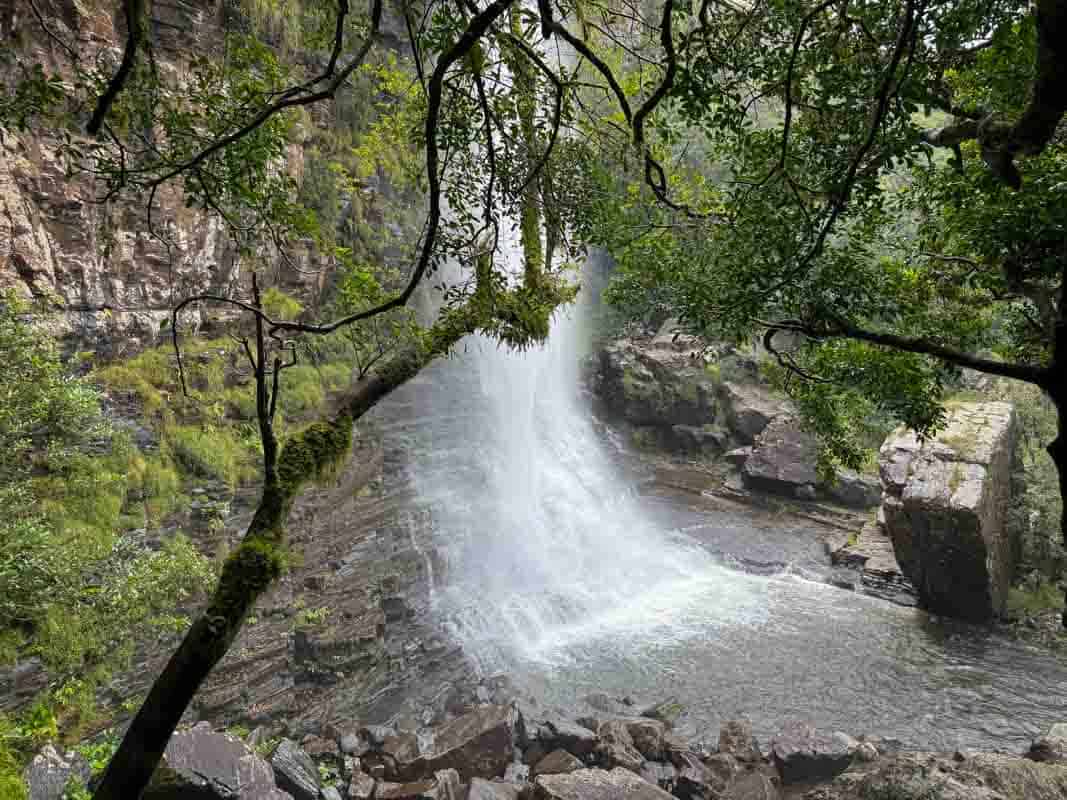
{"points": [[945, 504], [551, 732], [616, 747], [655, 385], [706, 779], [648, 737], [753, 785], [803, 754], [749, 408], [294, 771], [478, 744], [558, 762], [48, 774], [597, 784], [783, 460], [200, 763]]}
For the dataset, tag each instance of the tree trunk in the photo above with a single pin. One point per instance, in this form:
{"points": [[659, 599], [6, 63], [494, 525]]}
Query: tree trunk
{"points": [[248, 572], [260, 558]]}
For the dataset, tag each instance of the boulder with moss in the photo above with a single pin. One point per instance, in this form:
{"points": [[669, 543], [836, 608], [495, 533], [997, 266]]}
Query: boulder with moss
{"points": [[654, 384], [945, 504]]}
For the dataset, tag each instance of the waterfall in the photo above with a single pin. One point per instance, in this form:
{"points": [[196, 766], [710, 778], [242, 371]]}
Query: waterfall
{"points": [[544, 544]]}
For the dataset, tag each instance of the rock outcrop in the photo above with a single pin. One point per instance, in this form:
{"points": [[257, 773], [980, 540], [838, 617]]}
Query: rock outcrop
{"points": [[782, 460], [199, 762], [945, 504], [659, 384], [115, 277]]}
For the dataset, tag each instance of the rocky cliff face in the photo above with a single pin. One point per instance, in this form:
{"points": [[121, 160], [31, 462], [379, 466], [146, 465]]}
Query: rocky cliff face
{"points": [[114, 279], [699, 400], [944, 505]]}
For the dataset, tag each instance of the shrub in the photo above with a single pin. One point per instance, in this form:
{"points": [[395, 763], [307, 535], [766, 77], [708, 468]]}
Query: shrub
{"points": [[216, 453]]}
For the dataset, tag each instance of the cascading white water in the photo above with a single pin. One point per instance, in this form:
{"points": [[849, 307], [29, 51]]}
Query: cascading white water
{"points": [[544, 544], [550, 568]]}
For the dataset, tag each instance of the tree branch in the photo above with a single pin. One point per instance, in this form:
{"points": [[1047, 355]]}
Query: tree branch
{"points": [[134, 35], [842, 329]]}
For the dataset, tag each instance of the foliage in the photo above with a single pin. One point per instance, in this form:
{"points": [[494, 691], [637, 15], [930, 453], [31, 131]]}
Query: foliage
{"points": [[309, 617], [35, 94], [1044, 596], [1036, 511], [799, 214], [73, 589]]}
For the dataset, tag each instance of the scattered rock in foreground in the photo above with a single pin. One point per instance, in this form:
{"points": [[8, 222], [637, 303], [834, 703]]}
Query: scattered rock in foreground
{"points": [[736, 739], [1052, 747], [558, 762], [294, 771], [480, 744], [444, 785], [985, 776], [482, 789], [201, 763], [804, 755], [597, 784]]}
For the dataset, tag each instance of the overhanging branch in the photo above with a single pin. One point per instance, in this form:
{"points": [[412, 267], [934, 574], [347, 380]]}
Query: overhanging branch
{"points": [[842, 329]]}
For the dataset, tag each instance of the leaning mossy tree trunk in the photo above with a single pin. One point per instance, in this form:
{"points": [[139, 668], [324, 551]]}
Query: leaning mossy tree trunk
{"points": [[517, 317], [313, 454]]}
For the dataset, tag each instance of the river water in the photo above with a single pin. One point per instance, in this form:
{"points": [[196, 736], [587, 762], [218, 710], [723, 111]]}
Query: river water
{"points": [[560, 569]]}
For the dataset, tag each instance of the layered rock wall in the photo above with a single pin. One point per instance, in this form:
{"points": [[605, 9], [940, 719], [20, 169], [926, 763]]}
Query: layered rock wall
{"points": [[111, 277], [945, 503]]}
